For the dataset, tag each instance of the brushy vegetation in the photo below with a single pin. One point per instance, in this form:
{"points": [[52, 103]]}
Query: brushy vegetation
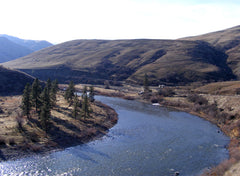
{"points": [[166, 92]]}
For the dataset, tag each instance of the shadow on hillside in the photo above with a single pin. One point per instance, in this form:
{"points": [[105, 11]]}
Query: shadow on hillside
{"points": [[2, 157], [62, 138], [66, 124]]}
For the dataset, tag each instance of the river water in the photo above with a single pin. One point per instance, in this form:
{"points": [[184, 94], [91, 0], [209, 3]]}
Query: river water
{"points": [[147, 140]]}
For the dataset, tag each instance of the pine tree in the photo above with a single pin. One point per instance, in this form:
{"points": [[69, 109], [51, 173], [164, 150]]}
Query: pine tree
{"points": [[49, 85], [26, 100], [35, 94], [76, 106], [45, 116], [91, 94], [69, 94], [86, 107], [53, 92], [45, 98], [146, 83], [84, 93], [84, 90], [45, 109]]}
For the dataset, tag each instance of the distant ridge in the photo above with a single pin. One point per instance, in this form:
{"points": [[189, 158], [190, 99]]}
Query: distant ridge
{"points": [[13, 47], [10, 50], [93, 61], [34, 45]]}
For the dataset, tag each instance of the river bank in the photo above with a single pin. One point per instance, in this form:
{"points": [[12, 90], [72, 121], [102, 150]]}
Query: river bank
{"points": [[65, 131], [220, 108]]}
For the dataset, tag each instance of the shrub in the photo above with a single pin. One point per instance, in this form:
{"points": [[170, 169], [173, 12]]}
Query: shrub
{"points": [[197, 99], [166, 92], [106, 84], [154, 100]]}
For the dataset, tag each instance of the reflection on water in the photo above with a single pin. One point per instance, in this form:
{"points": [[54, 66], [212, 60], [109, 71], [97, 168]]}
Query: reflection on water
{"points": [[147, 140]]}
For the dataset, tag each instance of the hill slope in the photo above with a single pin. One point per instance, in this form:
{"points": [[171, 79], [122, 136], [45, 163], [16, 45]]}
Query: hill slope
{"points": [[227, 41], [13, 47], [33, 45], [10, 50], [12, 81], [170, 61]]}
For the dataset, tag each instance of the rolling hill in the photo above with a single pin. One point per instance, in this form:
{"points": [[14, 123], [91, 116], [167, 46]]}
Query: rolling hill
{"points": [[33, 45], [12, 81], [10, 50], [93, 61], [13, 47], [227, 41]]}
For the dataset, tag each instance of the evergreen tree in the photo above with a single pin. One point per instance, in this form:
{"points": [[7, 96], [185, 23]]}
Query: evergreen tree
{"points": [[85, 90], [26, 100], [85, 107], [35, 94], [48, 86], [91, 94], [84, 93], [69, 94], [45, 109], [145, 83], [45, 116], [53, 92], [45, 98], [76, 106]]}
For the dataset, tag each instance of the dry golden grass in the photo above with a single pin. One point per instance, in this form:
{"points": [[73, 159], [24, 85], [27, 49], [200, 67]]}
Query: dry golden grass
{"points": [[93, 61], [64, 130], [220, 88]]}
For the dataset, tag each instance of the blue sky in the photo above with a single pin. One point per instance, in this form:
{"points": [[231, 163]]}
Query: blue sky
{"points": [[62, 20]]}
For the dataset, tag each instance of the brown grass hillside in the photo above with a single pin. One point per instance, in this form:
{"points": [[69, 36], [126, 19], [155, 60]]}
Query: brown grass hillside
{"points": [[227, 41], [168, 61]]}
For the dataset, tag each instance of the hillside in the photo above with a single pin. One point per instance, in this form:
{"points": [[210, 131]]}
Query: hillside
{"points": [[165, 61], [10, 50], [12, 47], [227, 41], [12, 81], [33, 45]]}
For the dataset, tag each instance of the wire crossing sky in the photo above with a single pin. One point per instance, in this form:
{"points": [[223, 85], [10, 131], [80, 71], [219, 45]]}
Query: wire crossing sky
{"points": [[63, 20]]}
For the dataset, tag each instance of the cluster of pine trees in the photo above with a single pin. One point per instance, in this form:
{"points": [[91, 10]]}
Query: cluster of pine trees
{"points": [[80, 107], [42, 100]]}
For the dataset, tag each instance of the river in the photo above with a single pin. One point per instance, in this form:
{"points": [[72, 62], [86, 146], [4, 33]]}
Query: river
{"points": [[147, 140]]}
